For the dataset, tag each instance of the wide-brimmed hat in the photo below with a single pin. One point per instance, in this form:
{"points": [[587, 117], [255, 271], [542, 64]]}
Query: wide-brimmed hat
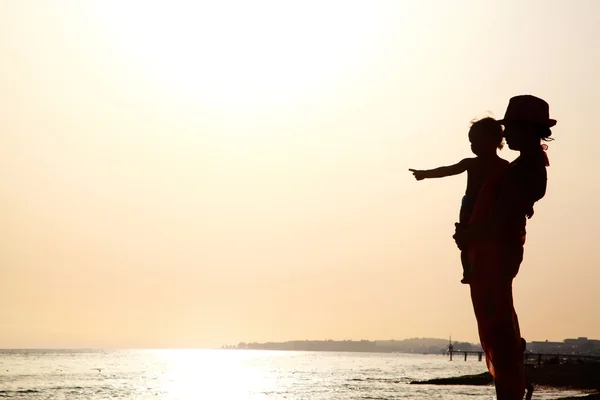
{"points": [[528, 108]]}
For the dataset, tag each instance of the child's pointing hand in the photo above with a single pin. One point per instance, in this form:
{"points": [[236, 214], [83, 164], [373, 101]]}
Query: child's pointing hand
{"points": [[418, 174]]}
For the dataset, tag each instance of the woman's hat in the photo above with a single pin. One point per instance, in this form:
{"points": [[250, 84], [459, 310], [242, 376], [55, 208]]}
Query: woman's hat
{"points": [[528, 108]]}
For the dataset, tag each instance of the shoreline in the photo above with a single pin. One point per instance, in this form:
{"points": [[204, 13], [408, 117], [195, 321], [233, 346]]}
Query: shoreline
{"points": [[583, 376]]}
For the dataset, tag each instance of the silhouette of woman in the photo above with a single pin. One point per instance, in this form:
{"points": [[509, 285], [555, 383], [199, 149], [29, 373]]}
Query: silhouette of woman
{"points": [[495, 238]]}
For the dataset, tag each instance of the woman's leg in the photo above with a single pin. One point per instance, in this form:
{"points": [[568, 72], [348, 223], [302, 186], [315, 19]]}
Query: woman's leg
{"points": [[500, 337]]}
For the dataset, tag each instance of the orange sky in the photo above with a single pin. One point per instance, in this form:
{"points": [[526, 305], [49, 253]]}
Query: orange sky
{"points": [[189, 175]]}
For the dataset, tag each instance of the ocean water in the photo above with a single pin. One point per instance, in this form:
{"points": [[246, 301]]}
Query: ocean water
{"points": [[233, 375]]}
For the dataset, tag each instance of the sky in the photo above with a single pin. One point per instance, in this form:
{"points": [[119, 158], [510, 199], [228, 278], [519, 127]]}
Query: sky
{"points": [[193, 174]]}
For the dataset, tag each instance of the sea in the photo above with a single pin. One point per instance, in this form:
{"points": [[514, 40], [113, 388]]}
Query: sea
{"points": [[235, 375]]}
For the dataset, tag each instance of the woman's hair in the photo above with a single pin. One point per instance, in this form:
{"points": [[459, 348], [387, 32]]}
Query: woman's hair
{"points": [[490, 128], [544, 132]]}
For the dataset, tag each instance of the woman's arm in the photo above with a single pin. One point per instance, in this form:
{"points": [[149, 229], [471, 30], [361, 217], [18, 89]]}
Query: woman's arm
{"points": [[442, 172]]}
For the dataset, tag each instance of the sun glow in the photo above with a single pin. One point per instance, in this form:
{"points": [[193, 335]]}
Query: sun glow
{"points": [[191, 374], [261, 52]]}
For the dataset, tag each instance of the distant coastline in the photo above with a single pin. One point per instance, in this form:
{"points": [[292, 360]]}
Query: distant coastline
{"points": [[415, 345], [579, 346]]}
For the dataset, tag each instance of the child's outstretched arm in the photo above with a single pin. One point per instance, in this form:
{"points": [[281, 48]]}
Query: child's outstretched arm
{"points": [[441, 172]]}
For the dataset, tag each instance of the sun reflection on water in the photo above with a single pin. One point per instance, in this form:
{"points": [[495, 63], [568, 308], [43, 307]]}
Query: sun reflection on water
{"points": [[195, 374]]}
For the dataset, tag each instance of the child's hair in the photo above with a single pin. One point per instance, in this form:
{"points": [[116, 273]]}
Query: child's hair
{"points": [[489, 127]]}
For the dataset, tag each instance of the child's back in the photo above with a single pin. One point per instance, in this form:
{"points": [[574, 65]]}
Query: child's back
{"points": [[478, 170]]}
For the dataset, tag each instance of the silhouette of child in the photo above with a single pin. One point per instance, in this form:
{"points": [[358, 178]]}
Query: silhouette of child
{"points": [[485, 136]]}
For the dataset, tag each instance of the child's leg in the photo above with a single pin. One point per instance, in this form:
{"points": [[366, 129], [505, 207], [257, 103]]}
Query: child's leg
{"points": [[466, 208], [464, 259]]}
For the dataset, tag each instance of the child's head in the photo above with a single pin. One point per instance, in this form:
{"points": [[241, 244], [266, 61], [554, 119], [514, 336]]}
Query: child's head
{"points": [[485, 136]]}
